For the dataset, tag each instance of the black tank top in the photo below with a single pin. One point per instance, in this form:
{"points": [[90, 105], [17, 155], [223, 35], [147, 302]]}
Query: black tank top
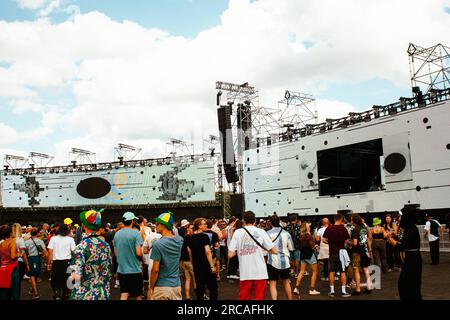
{"points": [[378, 235]]}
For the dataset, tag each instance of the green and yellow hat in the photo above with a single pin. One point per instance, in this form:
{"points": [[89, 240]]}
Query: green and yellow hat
{"points": [[166, 219]]}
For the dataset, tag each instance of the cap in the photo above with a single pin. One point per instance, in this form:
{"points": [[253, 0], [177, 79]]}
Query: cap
{"points": [[184, 223], [166, 219], [376, 221], [91, 219], [128, 216], [68, 221]]}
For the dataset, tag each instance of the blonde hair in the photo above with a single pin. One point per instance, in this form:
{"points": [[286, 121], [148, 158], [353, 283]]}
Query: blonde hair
{"points": [[304, 229], [16, 230]]}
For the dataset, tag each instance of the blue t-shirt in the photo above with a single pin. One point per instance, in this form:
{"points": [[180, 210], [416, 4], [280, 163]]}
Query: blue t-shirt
{"points": [[125, 243], [168, 252]]}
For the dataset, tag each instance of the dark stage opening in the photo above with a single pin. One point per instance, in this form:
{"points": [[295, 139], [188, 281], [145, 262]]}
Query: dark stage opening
{"points": [[350, 169]]}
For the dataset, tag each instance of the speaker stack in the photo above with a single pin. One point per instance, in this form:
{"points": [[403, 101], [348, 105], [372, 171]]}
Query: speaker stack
{"points": [[226, 143]]}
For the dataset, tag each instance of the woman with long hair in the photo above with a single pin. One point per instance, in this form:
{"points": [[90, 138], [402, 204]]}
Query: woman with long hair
{"points": [[60, 251], [22, 251], [391, 230], [9, 266], [410, 280], [361, 253], [307, 257]]}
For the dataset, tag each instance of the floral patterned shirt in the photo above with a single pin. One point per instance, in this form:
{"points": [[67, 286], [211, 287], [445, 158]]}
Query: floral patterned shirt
{"points": [[93, 261]]}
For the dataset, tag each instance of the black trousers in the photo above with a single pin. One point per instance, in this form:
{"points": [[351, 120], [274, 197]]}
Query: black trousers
{"points": [[59, 279], [233, 266], [390, 255], [205, 279], [325, 268], [434, 251], [410, 280]]}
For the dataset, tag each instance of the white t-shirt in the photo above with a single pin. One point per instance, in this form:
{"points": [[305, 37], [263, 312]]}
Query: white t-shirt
{"points": [[20, 244], [62, 247], [430, 236], [321, 231], [252, 265], [148, 243]]}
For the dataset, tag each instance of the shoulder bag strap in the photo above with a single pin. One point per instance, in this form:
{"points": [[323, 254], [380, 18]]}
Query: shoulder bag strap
{"points": [[256, 241]]}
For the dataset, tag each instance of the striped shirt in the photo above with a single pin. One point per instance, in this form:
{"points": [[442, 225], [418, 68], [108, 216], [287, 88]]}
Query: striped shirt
{"points": [[284, 244]]}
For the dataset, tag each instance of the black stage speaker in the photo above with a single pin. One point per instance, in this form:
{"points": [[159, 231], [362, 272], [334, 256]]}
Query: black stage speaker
{"points": [[237, 205], [226, 142]]}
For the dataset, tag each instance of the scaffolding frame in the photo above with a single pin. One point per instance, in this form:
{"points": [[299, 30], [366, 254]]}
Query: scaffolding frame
{"points": [[429, 67]]}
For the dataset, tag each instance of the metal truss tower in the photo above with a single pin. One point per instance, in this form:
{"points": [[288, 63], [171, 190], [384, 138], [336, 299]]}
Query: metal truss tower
{"points": [[81, 156], [40, 160], [429, 67], [126, 152]]}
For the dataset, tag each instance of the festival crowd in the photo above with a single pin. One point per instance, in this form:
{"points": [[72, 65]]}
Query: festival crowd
{"points": [[145, 260]]}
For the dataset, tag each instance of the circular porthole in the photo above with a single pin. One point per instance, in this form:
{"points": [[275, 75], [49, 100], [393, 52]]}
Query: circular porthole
{"points": [[425, 120], [418, 188], [326, 142], [310, 175], [395, 163], [93, 188], [317, 210], [303, 147], [448, 146]]}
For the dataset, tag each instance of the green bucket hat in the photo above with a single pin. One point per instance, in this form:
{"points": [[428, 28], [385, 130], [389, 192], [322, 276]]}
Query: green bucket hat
{"points": [[376, 221]]}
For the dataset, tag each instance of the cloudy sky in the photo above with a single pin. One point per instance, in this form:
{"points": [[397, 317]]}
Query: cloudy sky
{"points": [[93, 73]]}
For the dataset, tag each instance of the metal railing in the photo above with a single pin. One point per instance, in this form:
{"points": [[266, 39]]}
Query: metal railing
{"points": [[444, 241]]}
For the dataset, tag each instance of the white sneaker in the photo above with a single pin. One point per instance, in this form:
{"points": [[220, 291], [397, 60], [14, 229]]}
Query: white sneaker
{"points": [[314, 292], [26, 277], [234, 277], [324, 279], [306, 273], [296, 292]]}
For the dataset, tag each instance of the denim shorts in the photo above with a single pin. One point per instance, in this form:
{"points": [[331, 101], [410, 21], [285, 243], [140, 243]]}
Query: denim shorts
{"points": [[312, 260], [295, 255]]}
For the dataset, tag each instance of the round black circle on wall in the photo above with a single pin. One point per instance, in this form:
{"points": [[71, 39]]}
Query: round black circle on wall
{"points": [[448, 146], [310, 175], [93, 188], [303, 147], [326, 142], [425, 120], [395, 163], [317, 210], [418, 188]]}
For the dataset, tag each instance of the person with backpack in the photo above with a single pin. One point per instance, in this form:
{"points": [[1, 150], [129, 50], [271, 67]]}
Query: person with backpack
{"points": [[433, 231], [361, 253], [278, 265], [307, 257], [36, 249], [201, 256], [293, 228]]}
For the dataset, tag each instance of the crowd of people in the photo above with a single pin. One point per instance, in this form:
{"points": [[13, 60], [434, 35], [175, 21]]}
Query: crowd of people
{"points": [[145, 259]]}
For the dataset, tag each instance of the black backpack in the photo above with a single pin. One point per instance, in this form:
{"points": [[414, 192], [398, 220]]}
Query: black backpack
{"points": [[434, 228]]}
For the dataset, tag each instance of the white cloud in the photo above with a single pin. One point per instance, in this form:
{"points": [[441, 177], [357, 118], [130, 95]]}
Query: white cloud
{"points": [[8, 135], [44, 8], [31, 4], [144, 85]]}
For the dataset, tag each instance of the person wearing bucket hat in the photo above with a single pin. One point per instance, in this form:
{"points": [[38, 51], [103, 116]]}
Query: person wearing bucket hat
{"points": [[379, 235], [166, 253], [128, 248], [92, 261]]}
